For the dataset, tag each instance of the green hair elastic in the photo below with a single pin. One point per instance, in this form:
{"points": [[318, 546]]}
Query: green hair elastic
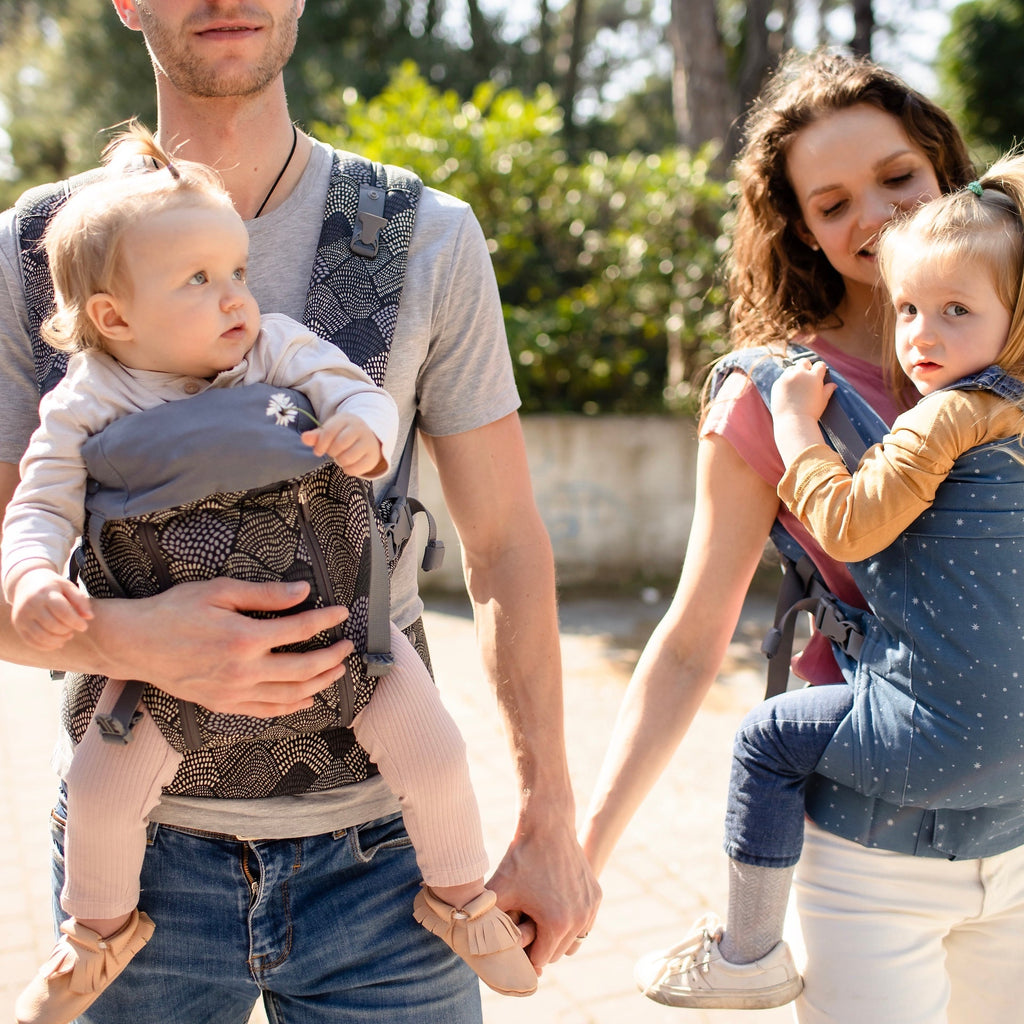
{"points": [[975, 187]]}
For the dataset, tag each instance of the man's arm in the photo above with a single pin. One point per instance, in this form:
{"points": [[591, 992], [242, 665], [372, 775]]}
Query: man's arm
{"points": [[509, 572], [212, 655]]}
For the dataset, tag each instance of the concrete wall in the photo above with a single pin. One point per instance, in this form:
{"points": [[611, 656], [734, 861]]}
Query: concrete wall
{"points": [[615, 492]]}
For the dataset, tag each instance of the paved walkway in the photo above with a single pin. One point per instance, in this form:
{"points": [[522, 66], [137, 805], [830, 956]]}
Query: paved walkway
{"points": [[668, 869]]}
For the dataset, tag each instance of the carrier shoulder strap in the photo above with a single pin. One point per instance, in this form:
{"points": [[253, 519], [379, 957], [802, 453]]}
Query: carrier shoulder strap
{"points": [[352, 301], [367, 229], [850, 425], [32, 213]]}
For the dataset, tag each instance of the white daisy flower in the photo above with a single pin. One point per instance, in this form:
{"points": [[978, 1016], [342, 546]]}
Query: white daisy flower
{"points": [[282, 409]]}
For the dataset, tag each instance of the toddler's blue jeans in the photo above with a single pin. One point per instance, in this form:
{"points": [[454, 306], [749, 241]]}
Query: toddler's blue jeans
{"points": [[777, 747]]}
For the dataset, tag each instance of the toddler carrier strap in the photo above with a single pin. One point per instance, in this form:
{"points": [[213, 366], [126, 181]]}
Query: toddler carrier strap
{"points": [[352, 301], [850, 425]]}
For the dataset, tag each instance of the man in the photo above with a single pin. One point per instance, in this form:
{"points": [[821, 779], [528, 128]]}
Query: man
{"points": [[322, 923]]}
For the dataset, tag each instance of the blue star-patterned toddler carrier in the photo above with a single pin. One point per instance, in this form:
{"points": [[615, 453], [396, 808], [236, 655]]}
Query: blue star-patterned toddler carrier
{"points": [[209, 486], [937, 663]]}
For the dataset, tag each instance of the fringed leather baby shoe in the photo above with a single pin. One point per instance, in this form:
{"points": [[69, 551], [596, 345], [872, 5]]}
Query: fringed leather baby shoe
{"points": [[484, 936], [80, 967]]}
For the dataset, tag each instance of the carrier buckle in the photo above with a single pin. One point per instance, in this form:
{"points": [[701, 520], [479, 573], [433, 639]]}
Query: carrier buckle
{"points": [[840, 630]]}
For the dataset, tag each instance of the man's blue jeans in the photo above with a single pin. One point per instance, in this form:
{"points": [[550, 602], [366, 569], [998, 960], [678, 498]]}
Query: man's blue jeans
{"points": [[321, 928], [778, 745]]}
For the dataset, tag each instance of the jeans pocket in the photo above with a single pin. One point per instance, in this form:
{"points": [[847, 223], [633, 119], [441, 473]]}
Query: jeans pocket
{"points": [[369, 839]]}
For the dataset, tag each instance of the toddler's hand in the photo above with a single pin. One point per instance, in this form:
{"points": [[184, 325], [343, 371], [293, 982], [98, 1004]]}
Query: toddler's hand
{"points": [[350, 442], [801, 390], [46, 608]]}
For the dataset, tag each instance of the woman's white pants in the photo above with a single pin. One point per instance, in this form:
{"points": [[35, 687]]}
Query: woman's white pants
{"points": [[894, 939]]}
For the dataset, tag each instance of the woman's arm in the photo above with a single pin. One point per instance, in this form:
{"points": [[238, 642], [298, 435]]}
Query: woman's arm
{"points": [[733, 515]]}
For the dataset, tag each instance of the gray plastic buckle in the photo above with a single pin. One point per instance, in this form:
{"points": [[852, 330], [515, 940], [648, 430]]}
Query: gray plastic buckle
{"points": [[839, 630], [113, 729], [369, 221], [398, 528]]}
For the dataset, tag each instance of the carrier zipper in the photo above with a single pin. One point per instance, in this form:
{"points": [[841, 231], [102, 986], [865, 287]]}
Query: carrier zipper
{"points": [[324, 586], [187, 710]]}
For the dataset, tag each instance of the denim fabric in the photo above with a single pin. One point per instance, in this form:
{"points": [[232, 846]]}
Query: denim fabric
{"points": [[937, 681], [321, 928], [777, 748]]}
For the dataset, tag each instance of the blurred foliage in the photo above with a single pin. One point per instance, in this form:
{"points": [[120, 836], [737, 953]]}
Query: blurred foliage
{"points": [[352, 44], [977, 60], [606, 259], [67, 70], [607, 267]]}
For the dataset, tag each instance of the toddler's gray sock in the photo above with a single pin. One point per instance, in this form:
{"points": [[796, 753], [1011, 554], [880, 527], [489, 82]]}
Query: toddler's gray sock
{"points": [[757, 909]]}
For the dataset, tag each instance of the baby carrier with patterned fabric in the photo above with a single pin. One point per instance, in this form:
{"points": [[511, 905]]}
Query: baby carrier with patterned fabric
{"points": [[935, 664], [257, 505]]}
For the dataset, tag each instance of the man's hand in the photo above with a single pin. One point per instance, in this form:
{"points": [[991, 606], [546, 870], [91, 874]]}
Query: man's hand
{"points": [[544, 879], [194, 642], [545, 883]]}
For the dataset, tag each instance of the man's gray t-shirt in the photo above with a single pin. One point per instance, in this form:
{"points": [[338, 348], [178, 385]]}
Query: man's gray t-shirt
{"points": [[449, 362]]}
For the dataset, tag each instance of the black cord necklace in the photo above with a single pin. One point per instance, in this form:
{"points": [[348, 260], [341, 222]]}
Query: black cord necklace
{"points": [[280, 175]]}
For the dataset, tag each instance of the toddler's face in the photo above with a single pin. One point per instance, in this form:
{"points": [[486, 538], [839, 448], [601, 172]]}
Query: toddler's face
{"points": [[950, 321], [187, 307]]}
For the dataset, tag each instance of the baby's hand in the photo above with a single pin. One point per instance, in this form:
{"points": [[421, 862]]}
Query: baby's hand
{"points": [[350, 442], [801, 391], [46, 608]]}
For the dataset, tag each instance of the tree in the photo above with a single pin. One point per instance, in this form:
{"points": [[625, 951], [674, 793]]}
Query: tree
{"points": [[702, 96], [982, 53], [724, 50], [863, 27], [572, 73]]}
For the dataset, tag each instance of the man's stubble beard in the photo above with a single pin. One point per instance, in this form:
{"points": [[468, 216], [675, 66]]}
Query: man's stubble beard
{"points": [[192, 76]]}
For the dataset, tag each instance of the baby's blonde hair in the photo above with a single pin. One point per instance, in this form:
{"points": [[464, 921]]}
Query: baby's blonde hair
{"points": [[978, 228], [84, 241]]}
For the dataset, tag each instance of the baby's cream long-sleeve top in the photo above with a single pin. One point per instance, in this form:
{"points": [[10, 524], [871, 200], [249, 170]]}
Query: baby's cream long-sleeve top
{"points": [[45, 516]]}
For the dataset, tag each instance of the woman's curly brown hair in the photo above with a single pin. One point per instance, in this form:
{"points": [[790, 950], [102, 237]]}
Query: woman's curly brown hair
{"points": [[778, 285]]}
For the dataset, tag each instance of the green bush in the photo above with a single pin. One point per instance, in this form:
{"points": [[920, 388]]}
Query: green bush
{"points": [[607, 267]]}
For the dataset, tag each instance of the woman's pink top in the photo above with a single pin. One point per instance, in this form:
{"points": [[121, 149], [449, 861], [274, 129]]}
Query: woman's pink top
{"points": [[740, 416]]}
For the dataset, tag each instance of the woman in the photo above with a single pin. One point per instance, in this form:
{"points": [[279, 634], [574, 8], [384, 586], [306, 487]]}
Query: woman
{"points": [[894, 934]]}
